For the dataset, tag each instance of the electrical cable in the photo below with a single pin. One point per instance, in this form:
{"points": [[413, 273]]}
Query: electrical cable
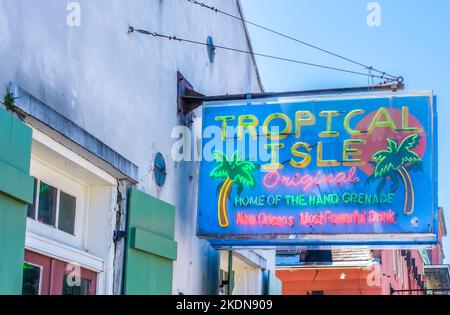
{"points": [[179, 39], [384, 75]]}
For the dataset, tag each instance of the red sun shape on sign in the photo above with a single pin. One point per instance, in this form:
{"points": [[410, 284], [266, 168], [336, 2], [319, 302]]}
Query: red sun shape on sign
{"points": [[378, 139]]}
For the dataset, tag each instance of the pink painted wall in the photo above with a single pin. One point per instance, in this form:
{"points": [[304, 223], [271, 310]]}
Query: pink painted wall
{"points": [[304, 281], [437, 254], [377, 280], [396, 273]]}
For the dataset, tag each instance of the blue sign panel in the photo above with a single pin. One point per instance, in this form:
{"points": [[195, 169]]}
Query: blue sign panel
{"points": [[344, 170]]}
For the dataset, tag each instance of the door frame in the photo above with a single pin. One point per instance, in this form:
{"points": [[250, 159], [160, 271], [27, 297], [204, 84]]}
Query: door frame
{"points": [[44, 263], [53, 271]]}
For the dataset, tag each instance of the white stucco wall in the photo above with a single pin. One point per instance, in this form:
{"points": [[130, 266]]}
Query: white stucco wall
{"points": [[122, 87], [248, 278]]}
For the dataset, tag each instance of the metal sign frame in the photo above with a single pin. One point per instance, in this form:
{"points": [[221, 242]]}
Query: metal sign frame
{"points": [[320, 240]]}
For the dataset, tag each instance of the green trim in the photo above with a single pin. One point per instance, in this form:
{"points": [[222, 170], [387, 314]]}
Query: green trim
{"points": [[16, 183], [151, 214], [151, 248], [15, 152], [153, 244], [13, 218], [16, 191], [15, 142]]}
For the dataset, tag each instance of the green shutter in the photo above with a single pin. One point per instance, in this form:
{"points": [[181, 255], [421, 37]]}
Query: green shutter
{"points": [[151, 249], [16, 191]]}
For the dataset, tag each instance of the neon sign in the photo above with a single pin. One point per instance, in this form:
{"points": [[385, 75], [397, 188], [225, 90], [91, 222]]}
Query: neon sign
{"points": [[337, 169]]}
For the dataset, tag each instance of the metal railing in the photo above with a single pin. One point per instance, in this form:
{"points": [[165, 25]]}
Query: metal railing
{"points": [[443, 291]]}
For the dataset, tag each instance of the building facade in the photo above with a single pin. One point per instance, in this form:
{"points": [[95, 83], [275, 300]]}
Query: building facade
{"points": [[92, 200], [351, 272], [366, 272], [438, 273]]}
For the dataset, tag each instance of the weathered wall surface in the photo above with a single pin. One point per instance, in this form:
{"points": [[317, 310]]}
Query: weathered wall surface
{"points": [[122, 87]]}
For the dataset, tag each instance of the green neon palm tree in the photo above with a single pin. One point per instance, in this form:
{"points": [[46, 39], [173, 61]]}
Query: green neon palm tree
{"points": [[234, 171], [394, 163]]}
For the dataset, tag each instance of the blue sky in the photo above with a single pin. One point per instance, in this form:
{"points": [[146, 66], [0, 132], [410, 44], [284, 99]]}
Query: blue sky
{"points": [[412, 41]]}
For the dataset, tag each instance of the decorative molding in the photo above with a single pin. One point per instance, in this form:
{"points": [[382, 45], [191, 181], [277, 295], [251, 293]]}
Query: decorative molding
{"points": [[153, 244], [21, 188], [63, 130], [72, 156], [47, 247], [252, 258]]}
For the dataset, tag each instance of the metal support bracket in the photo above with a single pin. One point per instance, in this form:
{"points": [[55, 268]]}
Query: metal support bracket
{"points": [[118, 235], [188, 99]]}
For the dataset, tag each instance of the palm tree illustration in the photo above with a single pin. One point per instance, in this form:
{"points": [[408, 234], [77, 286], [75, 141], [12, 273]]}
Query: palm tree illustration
{"points": [[396, 163], [234, 172]]}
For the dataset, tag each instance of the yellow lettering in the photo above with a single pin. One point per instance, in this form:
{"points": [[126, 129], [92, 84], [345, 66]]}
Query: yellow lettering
{"points": [[275, 161], [347, 119], [350, 152], [306, 158], [329, 114], [225, 120], [303, 118], [249, 122], [281, 134], [320, 161], [405, 121], [378, 122]]}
